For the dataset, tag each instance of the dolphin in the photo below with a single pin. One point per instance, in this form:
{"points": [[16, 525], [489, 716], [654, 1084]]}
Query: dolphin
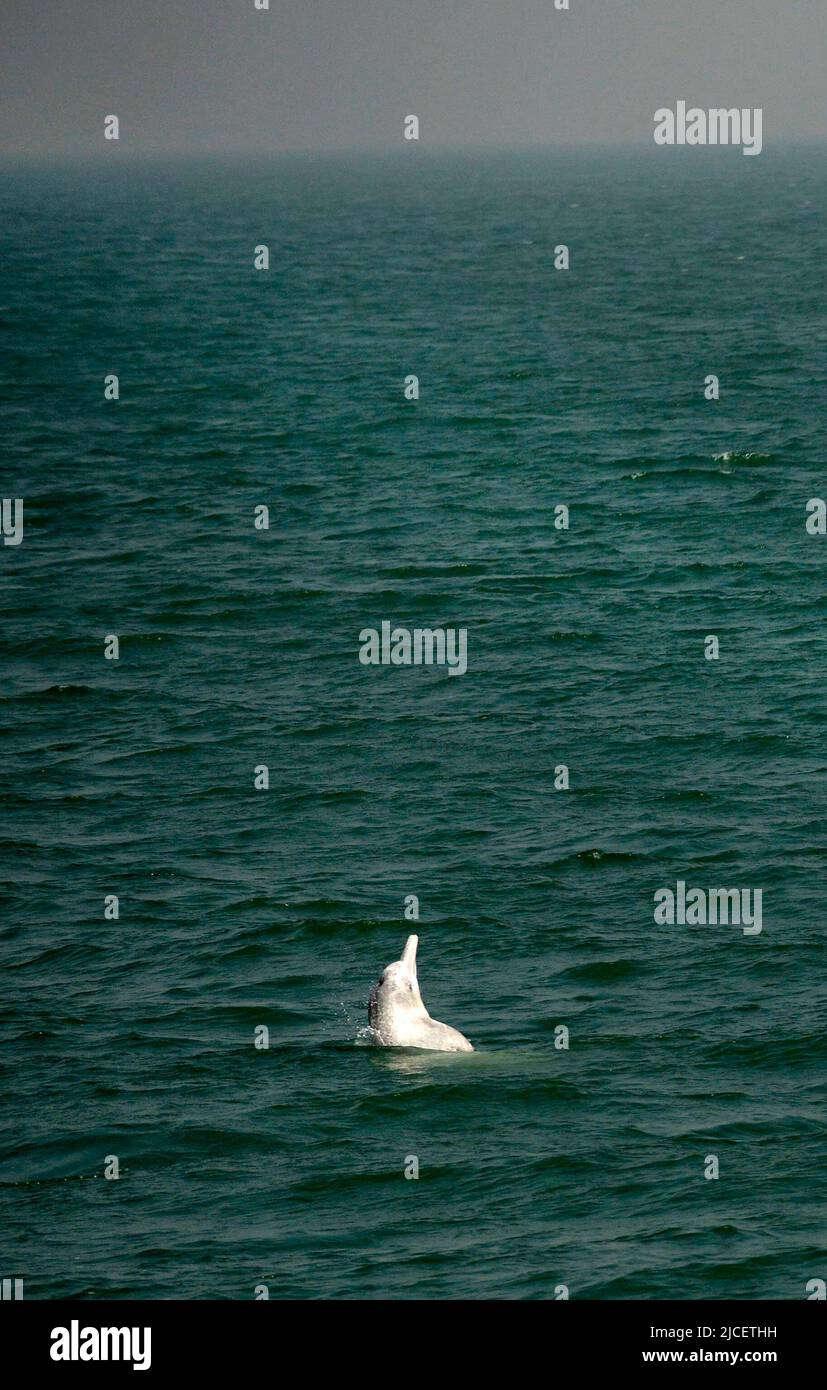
{"points": [[398, 1016]]}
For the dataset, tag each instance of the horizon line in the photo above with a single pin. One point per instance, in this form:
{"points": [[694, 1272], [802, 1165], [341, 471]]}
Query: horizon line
{"points": [[410, 149]]}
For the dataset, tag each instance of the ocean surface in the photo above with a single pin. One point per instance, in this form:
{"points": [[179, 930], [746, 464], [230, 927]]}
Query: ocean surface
{"points": [[539, 1166]]}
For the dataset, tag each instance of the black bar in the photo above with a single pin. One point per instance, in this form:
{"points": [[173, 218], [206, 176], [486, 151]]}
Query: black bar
{"points": [[398, 1340]]}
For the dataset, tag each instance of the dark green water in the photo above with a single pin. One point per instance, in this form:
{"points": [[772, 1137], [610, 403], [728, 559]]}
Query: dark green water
{"points": [[240, 908]]}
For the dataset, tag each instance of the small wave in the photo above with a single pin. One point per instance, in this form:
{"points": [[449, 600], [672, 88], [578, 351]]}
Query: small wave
{"points": [[748, 456], [603, 971], [66, 691], [591, 857]]}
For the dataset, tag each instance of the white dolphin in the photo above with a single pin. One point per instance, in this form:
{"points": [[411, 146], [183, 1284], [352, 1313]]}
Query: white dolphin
{"points": [[398, 1016]]}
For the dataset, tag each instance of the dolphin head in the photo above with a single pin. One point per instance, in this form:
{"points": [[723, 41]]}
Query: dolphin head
{"points": [[398, 986]]}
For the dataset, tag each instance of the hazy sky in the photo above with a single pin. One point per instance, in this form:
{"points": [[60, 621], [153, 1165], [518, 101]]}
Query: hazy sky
{"points": [[200, 75]]}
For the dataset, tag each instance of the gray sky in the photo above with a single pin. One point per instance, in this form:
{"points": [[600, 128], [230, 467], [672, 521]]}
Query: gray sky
{"points": [[218, 75]]}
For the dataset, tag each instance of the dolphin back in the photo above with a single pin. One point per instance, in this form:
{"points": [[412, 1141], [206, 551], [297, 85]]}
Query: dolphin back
{"points": [[443, 1038]]}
